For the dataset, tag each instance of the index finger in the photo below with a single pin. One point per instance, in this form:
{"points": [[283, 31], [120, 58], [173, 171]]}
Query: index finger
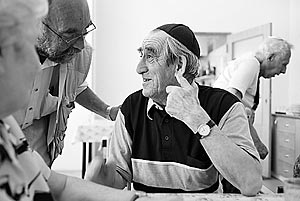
{"points": [[181, 80]]}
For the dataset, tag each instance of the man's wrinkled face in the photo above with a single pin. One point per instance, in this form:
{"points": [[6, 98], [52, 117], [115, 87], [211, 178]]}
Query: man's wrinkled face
{"points": [[277, 65], [156, 74], [69, 19]]}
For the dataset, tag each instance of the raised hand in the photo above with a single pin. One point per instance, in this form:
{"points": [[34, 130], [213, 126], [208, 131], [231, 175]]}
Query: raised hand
{"points": [[183, 102], [97, 170]]}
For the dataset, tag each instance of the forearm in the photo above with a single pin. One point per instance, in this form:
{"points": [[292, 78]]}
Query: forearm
{"points": [[71, 188], [235, 164], [92, 102], [104, 174]]}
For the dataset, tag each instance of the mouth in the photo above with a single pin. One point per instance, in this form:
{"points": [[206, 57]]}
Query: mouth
{"points": [[65, 56], [146, 80]]}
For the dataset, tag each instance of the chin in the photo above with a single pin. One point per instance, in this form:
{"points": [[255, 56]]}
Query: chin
{"points": [[145, 93], [65, 60], [62, 59]]}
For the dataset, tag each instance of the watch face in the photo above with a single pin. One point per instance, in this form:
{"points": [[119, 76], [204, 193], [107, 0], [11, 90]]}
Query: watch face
{"points": [[204, 130]]}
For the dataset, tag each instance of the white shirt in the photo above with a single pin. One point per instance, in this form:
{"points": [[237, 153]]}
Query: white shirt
{"points": [[242, 75]]}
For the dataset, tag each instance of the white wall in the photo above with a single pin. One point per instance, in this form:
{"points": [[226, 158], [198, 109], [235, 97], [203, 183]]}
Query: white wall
{"points": [[122, 25]]}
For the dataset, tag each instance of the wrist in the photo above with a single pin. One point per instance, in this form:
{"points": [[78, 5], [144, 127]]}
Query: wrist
{"points": [[22, 146], [198, 122], [108, 110], [205, 129]]}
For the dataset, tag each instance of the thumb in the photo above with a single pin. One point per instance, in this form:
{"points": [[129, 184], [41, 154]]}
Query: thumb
{"points": [[194, 85], [169, 89]]}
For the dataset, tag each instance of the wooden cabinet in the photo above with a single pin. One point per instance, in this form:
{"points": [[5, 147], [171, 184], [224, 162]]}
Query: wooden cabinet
{"points": [[285, 145]]}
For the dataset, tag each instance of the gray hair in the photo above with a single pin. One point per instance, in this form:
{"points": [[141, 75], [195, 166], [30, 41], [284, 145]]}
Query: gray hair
{"points": [[274, 45], [20, 16], [173, 49]]}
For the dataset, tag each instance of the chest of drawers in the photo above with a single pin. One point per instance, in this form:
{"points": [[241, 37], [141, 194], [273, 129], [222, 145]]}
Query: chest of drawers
{"points": [[285, 145]]}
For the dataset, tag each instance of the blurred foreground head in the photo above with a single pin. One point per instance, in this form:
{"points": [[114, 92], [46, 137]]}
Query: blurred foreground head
{"points": [[20, 22]]}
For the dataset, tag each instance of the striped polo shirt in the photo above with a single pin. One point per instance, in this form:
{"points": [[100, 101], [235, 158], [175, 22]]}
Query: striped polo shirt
{"points": [[166, 156]]}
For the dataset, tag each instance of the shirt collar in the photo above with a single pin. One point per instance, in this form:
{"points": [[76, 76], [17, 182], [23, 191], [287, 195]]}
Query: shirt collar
{"points": [[151, 104], [48, 64]]}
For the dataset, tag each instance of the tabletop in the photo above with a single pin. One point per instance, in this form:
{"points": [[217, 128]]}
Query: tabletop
{"points": [[95, 131], [216, 197]]}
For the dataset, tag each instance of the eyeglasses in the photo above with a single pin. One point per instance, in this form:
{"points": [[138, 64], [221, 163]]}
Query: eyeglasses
{"points": [[90, 27]]}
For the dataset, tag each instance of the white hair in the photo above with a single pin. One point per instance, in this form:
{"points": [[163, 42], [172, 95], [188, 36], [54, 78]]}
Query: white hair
{"points": [[274, 45], [20, 17]]}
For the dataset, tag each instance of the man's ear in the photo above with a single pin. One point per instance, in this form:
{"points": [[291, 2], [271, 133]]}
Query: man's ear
{"points": [[271, 57], [181, 64]]}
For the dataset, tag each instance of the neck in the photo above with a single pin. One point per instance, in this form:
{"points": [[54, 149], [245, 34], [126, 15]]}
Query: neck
{"points": [[41, 55], [162, 101], [259, 58]]}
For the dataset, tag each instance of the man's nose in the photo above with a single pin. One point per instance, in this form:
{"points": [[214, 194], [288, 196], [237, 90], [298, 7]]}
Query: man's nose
{"points": [[141, 67], [283, 70], [79, 44]]}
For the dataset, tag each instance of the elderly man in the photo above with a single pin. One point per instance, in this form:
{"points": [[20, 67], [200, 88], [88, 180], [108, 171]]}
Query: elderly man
{"points": [[175, 135], [65, 59], [241, 77]]}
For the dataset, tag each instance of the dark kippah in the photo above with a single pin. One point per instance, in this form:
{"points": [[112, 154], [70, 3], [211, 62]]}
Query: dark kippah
{"points": [[184, 35]]}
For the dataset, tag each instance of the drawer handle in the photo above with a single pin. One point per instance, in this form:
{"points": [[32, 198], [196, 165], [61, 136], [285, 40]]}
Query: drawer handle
{"points": [[287, 140], [275, 122], [286, 155], [286, 171]]}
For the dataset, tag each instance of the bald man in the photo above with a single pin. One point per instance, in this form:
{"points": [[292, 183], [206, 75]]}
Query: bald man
{"points": [[65, 59]]}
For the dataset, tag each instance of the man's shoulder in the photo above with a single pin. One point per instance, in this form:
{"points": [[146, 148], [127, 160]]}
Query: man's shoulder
{"points": [[248, 58], [211, 93], [134, 104], [135, 97], [216, 102]]}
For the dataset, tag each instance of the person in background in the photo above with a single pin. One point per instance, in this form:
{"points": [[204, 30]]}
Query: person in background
{"points": [[65, 59], [24, 176], [241, 78], [174, 135]]}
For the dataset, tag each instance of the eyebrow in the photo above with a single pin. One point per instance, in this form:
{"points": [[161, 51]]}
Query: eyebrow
{"points": [[73, 30], [151, 50]]}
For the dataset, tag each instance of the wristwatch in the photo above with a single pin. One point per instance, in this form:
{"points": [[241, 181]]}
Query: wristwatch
{"points": [[204, 129]]}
